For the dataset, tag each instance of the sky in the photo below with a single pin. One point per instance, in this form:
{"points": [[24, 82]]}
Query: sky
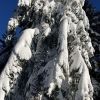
{"points": [[6, 11], [7, 7], [96, 4]]}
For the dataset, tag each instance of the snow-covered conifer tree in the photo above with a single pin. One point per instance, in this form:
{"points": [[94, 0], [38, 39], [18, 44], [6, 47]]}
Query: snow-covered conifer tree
{"points": [[50, 60]]}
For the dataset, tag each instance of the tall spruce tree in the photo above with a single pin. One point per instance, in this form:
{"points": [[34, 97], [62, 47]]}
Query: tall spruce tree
{"points": [[50, 60], [94, 32]]}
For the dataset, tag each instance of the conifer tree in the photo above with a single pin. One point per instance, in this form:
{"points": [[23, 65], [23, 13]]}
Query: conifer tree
{"points": [[50, 60]]}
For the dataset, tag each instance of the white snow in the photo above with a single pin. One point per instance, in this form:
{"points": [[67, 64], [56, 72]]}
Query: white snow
{"points": [[73, 16], [62, 42], [59, 76], [24, 2], [2, 94], [49, 7], [38, 5], [22, 48], [51, 88], [13, 23], [85, 19], [85, 88]]}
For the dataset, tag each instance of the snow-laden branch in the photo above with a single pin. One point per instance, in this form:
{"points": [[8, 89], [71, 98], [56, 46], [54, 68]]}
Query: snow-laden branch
{"points": [[52, 73], [63, 44], [21, 51]]}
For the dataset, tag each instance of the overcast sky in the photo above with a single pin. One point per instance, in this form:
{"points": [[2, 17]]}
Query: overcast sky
{"points": [[7, 7]]}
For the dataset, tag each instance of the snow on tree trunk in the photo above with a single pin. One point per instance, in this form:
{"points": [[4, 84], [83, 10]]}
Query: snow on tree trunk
{"points": [[50, 61]]}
